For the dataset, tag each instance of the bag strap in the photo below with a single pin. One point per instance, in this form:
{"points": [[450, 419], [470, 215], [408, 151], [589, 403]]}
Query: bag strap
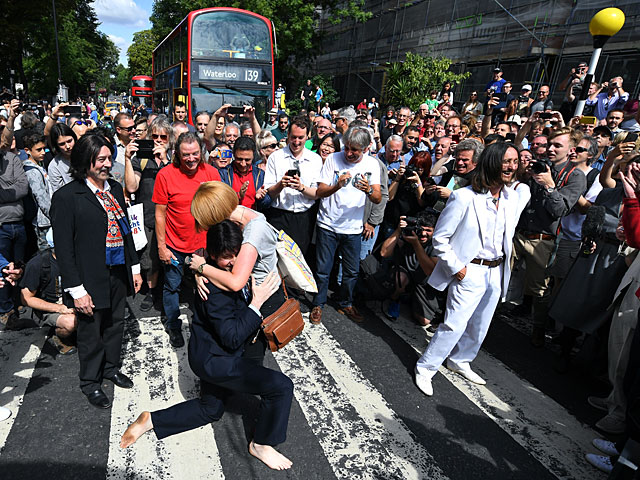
{"points": [[284, 287]]}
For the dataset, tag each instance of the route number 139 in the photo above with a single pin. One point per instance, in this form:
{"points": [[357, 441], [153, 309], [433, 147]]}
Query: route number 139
{"points": [[251, 75]]}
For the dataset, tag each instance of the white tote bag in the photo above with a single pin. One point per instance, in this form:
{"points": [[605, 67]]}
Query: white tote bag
{"points": [[136, 221]]}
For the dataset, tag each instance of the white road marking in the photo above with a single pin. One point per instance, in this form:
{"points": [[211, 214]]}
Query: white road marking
{"points": [[162, 378], [543, 427], [362, 437], [19, 353]]}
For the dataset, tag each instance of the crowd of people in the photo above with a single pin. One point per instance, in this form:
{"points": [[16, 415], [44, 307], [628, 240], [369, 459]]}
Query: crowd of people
{"points": [[447, 209]]}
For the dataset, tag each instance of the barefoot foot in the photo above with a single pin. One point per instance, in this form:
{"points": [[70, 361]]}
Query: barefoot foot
{"points": [[269, 456], [138, 428]]}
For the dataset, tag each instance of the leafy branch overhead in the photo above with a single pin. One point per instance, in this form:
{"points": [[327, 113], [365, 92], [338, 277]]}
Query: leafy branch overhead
{"points": [[410, 82]]}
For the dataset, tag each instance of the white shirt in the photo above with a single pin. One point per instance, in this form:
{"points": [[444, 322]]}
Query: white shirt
{"points": [[121, 147], [79, 291], [494, 233], [343, 211], [279, 163]]}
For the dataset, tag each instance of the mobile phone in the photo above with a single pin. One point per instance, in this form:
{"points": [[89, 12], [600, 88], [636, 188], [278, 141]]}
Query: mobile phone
{"points": [[455, 138], [145, 149], [545, 115], [235, 110], [588, 121], [510, 137], [293, 172], [500, 96], [72, 110], [631, 137], [175, 262]]}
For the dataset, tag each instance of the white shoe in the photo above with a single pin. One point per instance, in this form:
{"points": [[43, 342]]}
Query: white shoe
{"points": [[605, 446], [4, 413], [465, 371], [424, 383], [601, 462]]}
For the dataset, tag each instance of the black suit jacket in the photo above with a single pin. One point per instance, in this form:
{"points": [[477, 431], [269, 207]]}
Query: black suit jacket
{"points": [[79, 232], [220, 327]]}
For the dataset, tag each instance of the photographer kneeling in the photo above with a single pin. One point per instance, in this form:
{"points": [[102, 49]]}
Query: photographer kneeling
{"points": [[411, 249]]}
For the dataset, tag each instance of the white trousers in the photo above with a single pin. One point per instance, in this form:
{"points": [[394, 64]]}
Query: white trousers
{"points": [[471, 304]]}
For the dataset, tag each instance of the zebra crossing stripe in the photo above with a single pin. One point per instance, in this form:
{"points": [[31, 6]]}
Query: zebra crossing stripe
{"points": [[19, 353], [162, 378], [361, 436], [543, 427]]}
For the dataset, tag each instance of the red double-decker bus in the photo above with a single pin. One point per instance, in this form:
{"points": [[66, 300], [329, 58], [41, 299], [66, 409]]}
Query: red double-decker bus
{"points": [[142, 89], [215, 56]]}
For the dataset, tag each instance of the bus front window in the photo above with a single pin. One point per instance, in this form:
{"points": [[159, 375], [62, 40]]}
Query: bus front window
{"points": [[204, 100], [230, 35]]}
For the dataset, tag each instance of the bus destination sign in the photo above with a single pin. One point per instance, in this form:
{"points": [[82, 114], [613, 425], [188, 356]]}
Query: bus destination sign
{"points": [[232, 73]]}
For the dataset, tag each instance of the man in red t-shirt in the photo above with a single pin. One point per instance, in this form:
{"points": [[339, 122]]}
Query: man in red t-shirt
{"points": [[245, 179], [175, 186]]}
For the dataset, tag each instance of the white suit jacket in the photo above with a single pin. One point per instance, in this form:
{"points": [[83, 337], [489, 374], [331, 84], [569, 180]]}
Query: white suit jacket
{"points": [[458, 236]]}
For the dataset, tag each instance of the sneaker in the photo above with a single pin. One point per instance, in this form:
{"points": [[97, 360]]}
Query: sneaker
{"points": [[598, 403], [352, 313], [465, 371], [605, 446], [611, 425], [393, 310], [316, 315], [4, 413], [147, 302], [601, 462], [62, 346], [423, 382]]}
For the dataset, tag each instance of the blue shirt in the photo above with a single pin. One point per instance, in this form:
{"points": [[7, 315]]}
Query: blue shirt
{"points": [[319, 94], [496, 83], [604, 104]]}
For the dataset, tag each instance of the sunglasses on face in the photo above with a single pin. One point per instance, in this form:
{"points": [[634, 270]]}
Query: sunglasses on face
{"points": [[80, 122], [155, 136], [581, 149], [128, 129], [271, 145]]}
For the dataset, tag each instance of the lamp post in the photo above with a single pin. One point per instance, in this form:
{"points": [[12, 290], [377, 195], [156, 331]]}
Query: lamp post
{"points": [[604, 24]]}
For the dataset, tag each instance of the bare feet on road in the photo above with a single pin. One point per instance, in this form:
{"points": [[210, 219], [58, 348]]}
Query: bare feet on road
{"points": [[269, 456], [138, 428]]}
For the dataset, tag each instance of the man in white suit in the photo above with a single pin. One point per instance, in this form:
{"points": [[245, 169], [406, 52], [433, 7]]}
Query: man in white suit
{"points": [[473, 243]]}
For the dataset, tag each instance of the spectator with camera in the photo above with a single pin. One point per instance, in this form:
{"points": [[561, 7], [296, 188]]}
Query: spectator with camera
{"points": [[556, 185], [611, 97], [410, 250], [347, 179]]}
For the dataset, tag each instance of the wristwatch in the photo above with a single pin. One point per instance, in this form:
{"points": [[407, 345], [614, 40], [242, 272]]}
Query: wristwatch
{"points": [[550, 189], [370, 191], [201, 268]]}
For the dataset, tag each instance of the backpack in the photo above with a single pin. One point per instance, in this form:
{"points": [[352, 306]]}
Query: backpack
{"points": [[591, 177]]}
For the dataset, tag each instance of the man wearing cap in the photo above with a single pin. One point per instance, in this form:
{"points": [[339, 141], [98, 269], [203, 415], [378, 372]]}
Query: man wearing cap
{"points": [[495, 85], [604, 136], [524, 99]]}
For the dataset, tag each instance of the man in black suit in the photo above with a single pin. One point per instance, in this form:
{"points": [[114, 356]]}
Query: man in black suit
{"points": [[98, 262], [221, 327]]}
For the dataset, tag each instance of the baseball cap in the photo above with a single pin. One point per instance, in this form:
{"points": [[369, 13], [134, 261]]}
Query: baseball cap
{"points": [[497, 69], [603, 129], [393, 121], [526, 86]]}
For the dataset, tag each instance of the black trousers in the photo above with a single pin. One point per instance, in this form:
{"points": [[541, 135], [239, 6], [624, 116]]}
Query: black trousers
{"points": [[274, 388], [298, 225], [100, 336]]}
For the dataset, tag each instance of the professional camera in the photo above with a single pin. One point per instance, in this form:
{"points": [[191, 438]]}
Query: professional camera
{"points": [[412, 224], [540, 166], [409, 171]]}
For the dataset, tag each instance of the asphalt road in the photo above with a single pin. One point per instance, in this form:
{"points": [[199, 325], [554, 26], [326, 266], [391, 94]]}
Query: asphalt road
{"points": [[356, 412]]}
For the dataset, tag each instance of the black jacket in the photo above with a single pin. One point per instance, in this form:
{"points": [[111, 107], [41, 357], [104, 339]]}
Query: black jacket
{"points": [[79, 232]]}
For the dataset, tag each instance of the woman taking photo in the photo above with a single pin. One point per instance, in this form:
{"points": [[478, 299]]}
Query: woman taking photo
{"points": [[221, 326], [214, 202]]}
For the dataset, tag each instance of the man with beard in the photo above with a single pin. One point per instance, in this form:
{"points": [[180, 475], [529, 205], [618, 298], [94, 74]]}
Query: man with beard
{"points": [[473, 237]]}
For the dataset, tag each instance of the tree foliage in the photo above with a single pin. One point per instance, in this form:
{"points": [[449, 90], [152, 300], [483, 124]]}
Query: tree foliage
{"points": [[410, 82], [295, 21], [141, 51], [28, 46]]}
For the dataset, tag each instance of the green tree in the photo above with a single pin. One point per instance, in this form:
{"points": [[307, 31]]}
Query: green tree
{"points": [[296, 21], [294, 104], [409, 82], [141, 51]]}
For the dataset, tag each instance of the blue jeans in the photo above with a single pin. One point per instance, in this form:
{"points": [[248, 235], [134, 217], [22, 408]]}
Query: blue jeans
{"points": [[13, 239], [171, 290], [366, 247], [328, 244]]}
